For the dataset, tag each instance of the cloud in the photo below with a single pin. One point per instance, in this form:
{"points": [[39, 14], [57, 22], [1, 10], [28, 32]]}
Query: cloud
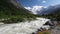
{"points": [[29, 8], [34, 9], [43, 1], [45, 6], [54, 4]]}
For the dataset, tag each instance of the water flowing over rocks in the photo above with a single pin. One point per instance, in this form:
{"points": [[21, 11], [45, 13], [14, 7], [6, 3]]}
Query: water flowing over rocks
{"points": [[24, 27]]}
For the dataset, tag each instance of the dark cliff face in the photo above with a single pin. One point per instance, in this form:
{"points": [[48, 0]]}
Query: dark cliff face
{"points": [[18, 5], [15, 3], [10, 3], [12, 7]]}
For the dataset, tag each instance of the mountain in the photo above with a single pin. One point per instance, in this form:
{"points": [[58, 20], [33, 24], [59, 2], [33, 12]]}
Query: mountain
{"points": [[55, 15], [12, 6], [12, 11], [49, 10]]}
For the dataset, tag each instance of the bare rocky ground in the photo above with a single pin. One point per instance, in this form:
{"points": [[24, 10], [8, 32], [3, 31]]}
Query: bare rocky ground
{"points": [[56, 30]]}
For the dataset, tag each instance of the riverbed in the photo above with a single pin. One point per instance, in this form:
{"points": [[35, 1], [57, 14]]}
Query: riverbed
{"points": [[23, 27]]}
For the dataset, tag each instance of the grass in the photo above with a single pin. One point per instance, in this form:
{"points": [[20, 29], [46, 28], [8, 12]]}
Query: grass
{"points": [[44, 32]]}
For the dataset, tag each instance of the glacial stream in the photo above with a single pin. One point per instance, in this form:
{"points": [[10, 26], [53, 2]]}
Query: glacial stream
{"points": [[23, 27]]}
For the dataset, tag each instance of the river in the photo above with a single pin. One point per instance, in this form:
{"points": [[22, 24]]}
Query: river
{"points": [[23, 27]]}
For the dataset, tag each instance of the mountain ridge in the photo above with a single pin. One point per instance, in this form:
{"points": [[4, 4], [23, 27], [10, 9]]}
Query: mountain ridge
{"points": [[14, 12], [49, 10]]}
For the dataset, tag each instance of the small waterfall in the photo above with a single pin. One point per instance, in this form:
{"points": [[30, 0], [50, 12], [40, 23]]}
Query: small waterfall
{"points": [[23, 28]]}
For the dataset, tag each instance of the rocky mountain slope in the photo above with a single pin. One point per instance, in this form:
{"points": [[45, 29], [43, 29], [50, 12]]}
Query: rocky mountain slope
{"points": [[49, 10], [11, 5], [55, 15], [12, 9]]}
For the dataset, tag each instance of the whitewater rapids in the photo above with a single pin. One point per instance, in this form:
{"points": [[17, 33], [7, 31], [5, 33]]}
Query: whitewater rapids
{"points": [[23, 27]]}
